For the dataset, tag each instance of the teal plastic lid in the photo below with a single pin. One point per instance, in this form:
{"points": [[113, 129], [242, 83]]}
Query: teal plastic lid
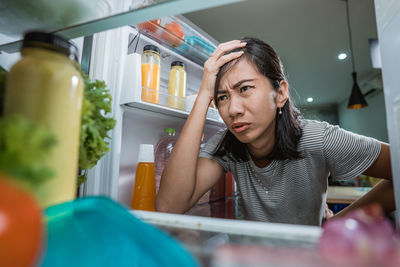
{"points": [[169, 131], [97, 231]]}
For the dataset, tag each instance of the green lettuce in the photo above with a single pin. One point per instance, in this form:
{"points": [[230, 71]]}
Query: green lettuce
{"points": [[24, 147], [96, 123]]}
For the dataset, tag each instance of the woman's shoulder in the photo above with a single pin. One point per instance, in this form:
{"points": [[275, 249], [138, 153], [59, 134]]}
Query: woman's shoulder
{"points": [[210, 146], [313, 128], [208, 149], [216, 138], [313, 134]]}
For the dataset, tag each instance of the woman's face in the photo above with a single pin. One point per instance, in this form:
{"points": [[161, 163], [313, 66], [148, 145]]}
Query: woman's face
{"points": [[248, 103]]}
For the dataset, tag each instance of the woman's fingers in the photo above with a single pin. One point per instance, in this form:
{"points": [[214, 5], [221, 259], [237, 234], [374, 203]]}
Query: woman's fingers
{"points": [[219, 57], [216, 61], [229, 57], [226, 47]]}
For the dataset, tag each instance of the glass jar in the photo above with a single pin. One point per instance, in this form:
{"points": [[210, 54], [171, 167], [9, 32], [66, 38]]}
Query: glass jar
{"points": [[46, 87], [177, 86], [151, 71]]}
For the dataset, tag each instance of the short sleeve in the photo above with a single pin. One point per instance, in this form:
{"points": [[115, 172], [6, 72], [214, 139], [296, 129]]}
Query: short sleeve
{"points": [[348, 154], [208, 149]]}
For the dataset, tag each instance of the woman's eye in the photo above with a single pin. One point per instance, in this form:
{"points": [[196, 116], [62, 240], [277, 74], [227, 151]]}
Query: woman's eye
{"points": [[245, 88], [221, 98]]}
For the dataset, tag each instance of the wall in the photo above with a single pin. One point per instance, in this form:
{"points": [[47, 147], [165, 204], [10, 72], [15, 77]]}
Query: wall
{"points": [[326, 113], [369, 121]]}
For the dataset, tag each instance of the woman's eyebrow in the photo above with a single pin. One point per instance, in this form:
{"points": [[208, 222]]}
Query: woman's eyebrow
{"points": [[221, 91], [238, 84]]}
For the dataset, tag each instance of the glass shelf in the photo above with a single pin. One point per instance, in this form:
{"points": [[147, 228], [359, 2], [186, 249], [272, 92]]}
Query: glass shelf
{"points": [[181, 38], [121, 14], [184, 106], [210, 240]]}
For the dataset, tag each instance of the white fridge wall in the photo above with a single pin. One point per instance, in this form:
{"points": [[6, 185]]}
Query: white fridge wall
{"points": [[109, 50], [388, 22]]}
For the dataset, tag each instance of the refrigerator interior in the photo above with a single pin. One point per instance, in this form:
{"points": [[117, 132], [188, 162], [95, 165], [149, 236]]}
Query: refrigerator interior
{"points": [[153, 122], [138, 122]]}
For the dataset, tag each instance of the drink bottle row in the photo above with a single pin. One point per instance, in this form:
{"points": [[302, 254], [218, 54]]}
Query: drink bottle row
{"points": [[151, 72]]}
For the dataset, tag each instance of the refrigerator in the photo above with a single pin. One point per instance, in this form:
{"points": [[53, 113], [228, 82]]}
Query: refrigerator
{"points": [[112, 52]]}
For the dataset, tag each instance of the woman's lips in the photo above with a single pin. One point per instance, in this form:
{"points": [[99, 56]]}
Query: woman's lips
{"points": [[240, 127]]}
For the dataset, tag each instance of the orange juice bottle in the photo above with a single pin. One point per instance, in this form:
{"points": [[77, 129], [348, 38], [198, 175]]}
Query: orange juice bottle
{"points": [[151, 72], [144, 192]]}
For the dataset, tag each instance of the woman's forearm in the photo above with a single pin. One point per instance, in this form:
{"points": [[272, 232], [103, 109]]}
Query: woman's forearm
{"points": [[179, 176]]}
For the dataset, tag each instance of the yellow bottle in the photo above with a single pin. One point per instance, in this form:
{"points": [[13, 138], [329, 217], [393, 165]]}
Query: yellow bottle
{"points": [[46, 87], [177, 86], [144, 192]]}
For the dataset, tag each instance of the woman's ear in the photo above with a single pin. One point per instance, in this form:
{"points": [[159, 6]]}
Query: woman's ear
{"points": [[282, 94]]}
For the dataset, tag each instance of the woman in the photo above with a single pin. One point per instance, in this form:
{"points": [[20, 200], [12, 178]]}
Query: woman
{"points": [[280, 162]]}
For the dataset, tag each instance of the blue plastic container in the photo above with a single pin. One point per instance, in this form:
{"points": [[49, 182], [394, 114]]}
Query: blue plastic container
{"points": [[196, 49], [97, 231], [200, 44]]}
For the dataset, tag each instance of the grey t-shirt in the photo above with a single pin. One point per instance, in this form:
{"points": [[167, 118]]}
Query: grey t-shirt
{"points": [[294, 191]]}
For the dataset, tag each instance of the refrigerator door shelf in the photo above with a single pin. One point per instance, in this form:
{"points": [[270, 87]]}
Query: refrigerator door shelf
{"points": [[175, 34], [212, 115], [289, 232], [211, 239], [79, 18], [17, 17], [225, 242]]}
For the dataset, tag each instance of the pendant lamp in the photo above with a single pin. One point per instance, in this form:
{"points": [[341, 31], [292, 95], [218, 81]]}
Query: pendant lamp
{"points": [[357, 99]]}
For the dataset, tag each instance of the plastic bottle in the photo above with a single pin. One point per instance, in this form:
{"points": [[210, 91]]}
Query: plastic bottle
{"points": [[151, 71], [144, 193], [46, 87], [163, 151], [177, 86]]}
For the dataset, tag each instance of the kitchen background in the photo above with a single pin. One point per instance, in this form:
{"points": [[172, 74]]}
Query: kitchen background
{"points": [[309, 35]]}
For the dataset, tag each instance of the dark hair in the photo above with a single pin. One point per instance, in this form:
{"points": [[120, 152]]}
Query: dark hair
{"points": [[287, 128]]}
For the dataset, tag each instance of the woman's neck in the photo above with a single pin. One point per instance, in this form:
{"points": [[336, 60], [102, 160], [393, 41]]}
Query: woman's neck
{"points": [[261, 163], [261, 148]]}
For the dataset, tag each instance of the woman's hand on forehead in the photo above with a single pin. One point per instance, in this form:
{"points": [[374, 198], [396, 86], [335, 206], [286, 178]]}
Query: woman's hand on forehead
{"points": [[220, 56], [224, 48], [215, 62]]}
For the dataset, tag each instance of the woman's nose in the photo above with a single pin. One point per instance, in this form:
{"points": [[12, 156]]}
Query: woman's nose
{"points": [[235, 106]]}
